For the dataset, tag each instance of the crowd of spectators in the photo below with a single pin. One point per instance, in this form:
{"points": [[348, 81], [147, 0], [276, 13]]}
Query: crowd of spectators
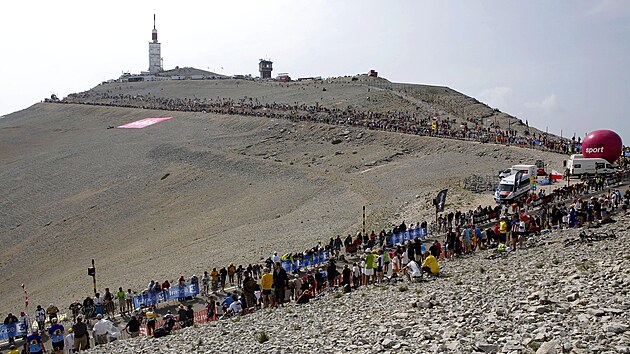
{"points": [[367, 259], [471, 129]]}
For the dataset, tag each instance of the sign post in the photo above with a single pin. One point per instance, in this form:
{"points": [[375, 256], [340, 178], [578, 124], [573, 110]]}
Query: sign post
{"points": [[92, 272], [364, 220]]}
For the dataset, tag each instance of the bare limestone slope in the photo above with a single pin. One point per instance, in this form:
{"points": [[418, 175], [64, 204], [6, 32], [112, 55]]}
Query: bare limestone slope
{"points": [[202, 190]]}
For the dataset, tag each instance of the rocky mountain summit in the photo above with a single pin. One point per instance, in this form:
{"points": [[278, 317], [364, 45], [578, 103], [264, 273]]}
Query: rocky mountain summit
{"points": [[547, 298]]}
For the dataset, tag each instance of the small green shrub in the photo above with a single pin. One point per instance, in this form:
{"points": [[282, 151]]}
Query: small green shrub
{"points": [[534, 345], [582, 266], [262, 337]]}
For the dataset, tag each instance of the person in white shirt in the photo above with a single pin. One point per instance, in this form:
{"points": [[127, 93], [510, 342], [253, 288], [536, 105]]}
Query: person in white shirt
{"points": [[235, 307], [405, 257], [522, 233], [356, 275], [69, 341], [258, 296], [25, 321], [99, 301], [275, 258], [412, 270], [101, 329], [40, 317]]}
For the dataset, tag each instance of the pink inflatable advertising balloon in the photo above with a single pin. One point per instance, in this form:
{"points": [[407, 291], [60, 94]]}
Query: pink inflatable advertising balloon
{"points": [[605, 144]]}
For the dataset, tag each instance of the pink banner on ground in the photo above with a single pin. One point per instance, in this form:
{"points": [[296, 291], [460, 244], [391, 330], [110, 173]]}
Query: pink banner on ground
{"points": [[142, 123]]}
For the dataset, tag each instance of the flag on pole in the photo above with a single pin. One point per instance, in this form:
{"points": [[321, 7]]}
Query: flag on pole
{"points": [[25, 296], [440, 200]]}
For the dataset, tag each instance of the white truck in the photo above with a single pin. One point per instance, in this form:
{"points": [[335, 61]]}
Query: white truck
{"points": [[578, 166]]}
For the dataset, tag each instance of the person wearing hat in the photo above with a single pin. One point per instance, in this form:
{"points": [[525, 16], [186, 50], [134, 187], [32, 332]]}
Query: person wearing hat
{"points": [[69, 340], [101, 329], [34, 343], [52, 312], [56, 336]]}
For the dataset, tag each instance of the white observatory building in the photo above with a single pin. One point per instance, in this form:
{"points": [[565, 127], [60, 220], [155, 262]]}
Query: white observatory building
{"points": [[155, 54]]}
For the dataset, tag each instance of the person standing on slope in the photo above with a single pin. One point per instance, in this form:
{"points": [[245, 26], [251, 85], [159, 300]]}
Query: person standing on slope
{"points": [[56, 336], [280, 283], [34, 343]]}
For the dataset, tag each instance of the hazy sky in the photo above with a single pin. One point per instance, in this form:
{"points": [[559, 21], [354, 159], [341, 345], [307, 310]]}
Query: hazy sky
{"points": [[561, 64]]}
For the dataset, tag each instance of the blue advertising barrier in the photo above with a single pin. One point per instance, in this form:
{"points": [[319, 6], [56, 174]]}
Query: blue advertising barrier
{"points": [[13, 330], [174, 292], [315, 259], [401, 237]]}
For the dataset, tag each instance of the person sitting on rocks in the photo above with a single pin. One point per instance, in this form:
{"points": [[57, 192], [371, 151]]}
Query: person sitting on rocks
{"points": [[236, 308], [412, 271], [169, 321], [304, 295], [430, 264]]}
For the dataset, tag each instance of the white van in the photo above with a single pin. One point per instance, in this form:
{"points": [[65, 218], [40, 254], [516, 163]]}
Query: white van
{"points": [[525, 169], [507, 192], [578, 165]]}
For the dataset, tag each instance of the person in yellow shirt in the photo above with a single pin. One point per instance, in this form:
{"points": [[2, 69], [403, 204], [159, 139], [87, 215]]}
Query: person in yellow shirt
{"points": [[430, 264], [266, 283], [151, 320], [13, 350], [503, 229], [214, 278]]}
